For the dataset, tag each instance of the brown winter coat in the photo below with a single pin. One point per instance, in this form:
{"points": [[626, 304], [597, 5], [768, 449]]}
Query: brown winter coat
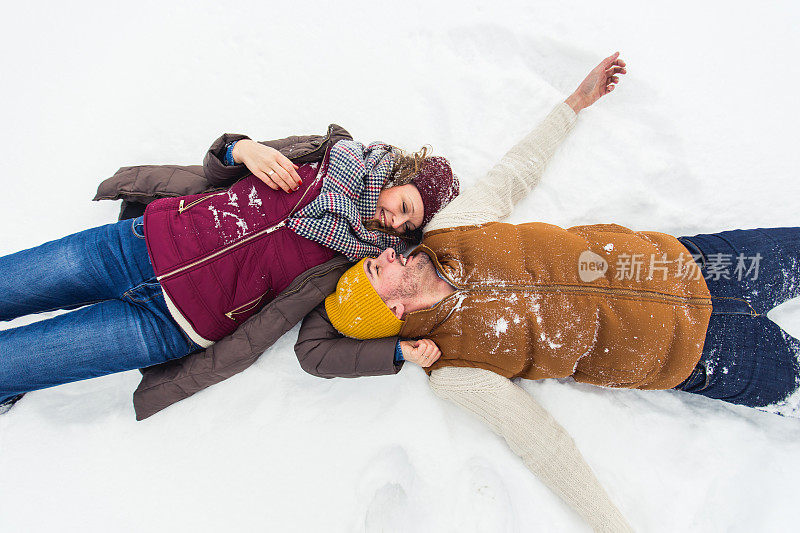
{"points": [[146, 183], [523, 309], [167, 383]]}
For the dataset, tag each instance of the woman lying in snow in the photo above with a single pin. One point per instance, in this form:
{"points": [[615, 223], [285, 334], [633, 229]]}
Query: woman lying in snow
{"points": [[194, 267]]}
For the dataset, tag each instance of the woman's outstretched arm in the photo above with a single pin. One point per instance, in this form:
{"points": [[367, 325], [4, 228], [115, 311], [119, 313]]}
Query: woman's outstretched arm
{"points": [[544, 446]]}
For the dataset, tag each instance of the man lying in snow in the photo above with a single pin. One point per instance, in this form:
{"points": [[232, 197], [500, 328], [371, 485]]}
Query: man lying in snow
{"points": [[469, 288], [601, 303]]}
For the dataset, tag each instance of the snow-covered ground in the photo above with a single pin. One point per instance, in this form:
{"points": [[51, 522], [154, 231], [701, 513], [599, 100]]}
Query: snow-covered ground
{"points": [[701, 135]]}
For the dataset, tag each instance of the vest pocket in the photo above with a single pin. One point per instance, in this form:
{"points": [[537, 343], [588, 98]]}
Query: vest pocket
{"points": [[238, 313], [183, 205]]}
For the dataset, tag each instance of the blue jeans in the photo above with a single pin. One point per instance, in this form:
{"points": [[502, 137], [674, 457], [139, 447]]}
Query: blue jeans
{"points": [[122, 324], [748, 359]]}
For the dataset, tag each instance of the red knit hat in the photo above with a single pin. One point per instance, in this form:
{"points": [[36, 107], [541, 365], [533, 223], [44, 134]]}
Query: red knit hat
{"points": [[437, 185]]}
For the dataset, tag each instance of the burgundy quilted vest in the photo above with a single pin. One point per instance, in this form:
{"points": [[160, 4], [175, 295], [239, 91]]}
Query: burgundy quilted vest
{"points": [[221, 256]]}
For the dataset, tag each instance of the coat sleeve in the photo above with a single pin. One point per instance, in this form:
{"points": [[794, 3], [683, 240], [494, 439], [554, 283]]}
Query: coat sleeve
{"points": [[544, 446], [217, 172], [324, 352], [167, 383], [298, 148], [493, 197]]}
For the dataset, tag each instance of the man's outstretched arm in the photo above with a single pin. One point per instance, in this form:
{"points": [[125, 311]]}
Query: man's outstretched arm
{"points": [[532, 433], [493, 197]]}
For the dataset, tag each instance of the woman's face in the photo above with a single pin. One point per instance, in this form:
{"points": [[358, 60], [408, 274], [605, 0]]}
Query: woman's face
{"points": [[400, 208]]}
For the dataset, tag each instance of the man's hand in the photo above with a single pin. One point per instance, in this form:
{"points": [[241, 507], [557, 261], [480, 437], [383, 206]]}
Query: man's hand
{"points": [[267, 164], [423, 352], [600, 81]]}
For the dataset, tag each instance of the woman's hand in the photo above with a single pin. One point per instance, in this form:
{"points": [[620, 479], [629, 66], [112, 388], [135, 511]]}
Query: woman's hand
{"points": [[423, 352], [268, 164], [600, 81]]}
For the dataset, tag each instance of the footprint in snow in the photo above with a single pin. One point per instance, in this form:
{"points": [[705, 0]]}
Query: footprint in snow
{"points": [[386, 482], [481, 495]]}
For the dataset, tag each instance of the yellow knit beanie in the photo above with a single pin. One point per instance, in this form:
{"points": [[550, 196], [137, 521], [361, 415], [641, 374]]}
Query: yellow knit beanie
{"points": [[356, 310]]}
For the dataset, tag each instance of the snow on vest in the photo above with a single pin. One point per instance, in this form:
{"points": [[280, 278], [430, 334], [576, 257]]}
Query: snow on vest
{"points": [[601, 303]]}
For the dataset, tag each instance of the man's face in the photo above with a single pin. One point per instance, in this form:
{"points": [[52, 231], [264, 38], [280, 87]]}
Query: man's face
{"points": [[399, 280]]}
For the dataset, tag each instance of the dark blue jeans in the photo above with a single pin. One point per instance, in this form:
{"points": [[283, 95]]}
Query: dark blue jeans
{"points": [[748, 359], [122, 324]]}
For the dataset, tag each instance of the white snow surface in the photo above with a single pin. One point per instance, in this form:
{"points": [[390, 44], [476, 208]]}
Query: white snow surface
{"points": [[700, 136]]}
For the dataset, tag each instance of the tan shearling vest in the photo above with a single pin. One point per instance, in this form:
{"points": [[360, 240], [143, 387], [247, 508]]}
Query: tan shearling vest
{"points": [[604, 304]]}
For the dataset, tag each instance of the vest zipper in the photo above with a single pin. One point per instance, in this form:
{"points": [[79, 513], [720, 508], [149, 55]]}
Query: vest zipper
{"points": [[570, 288], [244, 240], [223, 250], [183, 207], [244, 308], [653, 295], [577, 288]]}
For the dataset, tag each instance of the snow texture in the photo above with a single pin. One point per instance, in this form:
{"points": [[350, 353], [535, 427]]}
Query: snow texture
{"points": [[700, 136]]}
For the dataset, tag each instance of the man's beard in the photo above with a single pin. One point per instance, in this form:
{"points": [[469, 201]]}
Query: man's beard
{"points": [[414, 276]]}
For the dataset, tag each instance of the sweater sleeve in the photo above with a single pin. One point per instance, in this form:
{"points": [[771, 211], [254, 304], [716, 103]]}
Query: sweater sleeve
{"points": [[493, 197], [544, 446], [229, 161]]}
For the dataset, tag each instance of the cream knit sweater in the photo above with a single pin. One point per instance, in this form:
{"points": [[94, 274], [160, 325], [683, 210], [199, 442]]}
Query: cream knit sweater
{"points": [[544, 446]]}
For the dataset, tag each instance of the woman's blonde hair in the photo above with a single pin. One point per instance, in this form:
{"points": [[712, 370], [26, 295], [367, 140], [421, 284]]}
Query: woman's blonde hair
{"points": [[406, 166]]}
